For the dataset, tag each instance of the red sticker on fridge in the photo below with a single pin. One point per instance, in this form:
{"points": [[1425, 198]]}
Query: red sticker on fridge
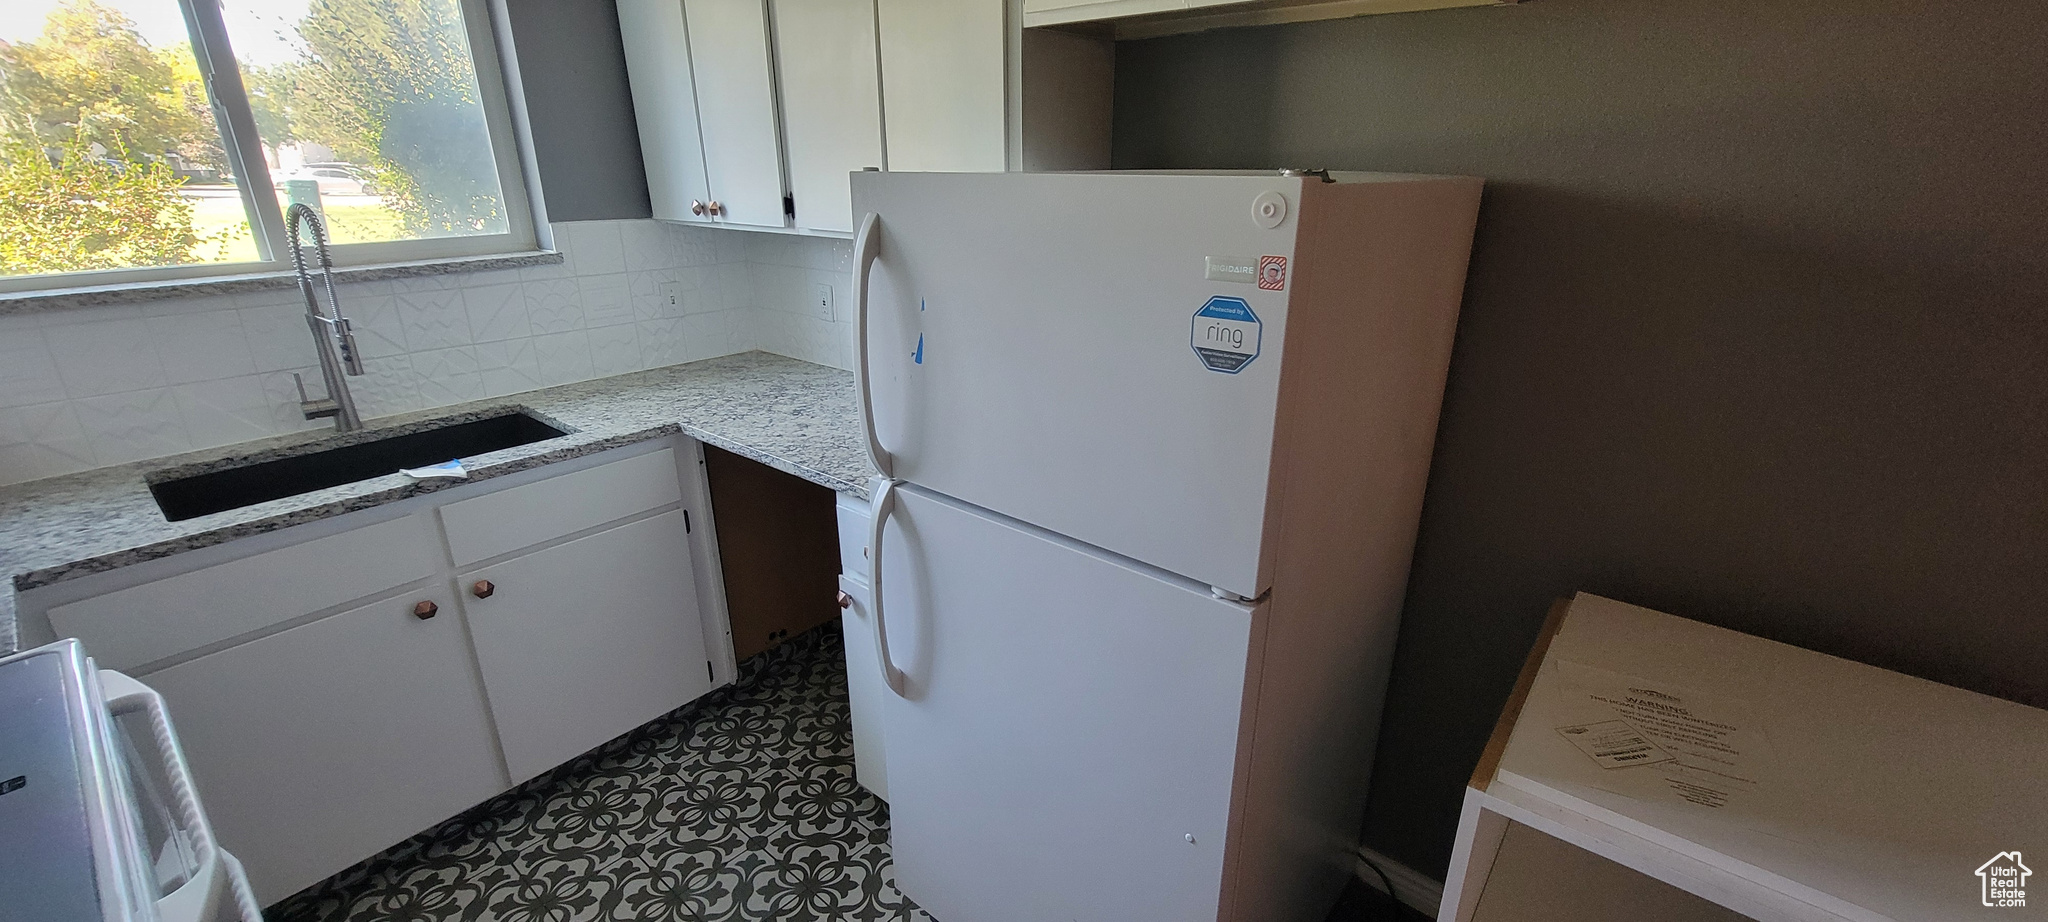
{"points": [[1273, 272]]}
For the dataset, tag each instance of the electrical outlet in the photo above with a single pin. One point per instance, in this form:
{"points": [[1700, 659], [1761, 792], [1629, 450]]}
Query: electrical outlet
{"points": [[821, 302], [672, 296]]}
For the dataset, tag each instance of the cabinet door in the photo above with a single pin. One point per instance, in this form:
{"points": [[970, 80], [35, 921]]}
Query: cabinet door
{"points": [[866, 691], [831, 103], [587, 640], [316, 747], [729, 56], [944, 75], [657, 47]]}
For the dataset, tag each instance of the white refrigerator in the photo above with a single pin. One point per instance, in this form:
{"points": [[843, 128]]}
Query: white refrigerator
{"points": [[1153, 449]]}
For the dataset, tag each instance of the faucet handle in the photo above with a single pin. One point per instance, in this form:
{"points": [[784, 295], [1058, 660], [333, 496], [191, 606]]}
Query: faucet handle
{"points": [[314, 409]]}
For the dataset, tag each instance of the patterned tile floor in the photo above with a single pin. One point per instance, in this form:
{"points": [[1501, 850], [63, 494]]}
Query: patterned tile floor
{"points": [[741, 805]]}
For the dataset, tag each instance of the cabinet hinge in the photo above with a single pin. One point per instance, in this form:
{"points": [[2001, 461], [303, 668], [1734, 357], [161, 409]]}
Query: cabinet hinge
{"points": [[686, 521], [789, 206], [709, 676]]}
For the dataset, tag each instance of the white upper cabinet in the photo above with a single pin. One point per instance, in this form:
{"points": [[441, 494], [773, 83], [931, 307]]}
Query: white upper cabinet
{"points": [[831, 103], [317, 746], [730, 55], [1137, 19], [945, 82], [665, 104], [744, 102], [1041, 12]]}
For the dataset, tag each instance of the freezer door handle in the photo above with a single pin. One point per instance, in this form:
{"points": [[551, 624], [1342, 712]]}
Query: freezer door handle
{"points": [[879, 508], [867, 247]]}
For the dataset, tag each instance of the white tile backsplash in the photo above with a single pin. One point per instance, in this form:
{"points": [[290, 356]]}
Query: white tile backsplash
{"points": [[554, 306], [508, 367], [656, 293], [133, 425], [105, 385], [42, 440], [28, 372], [646, 246], [717, 333], [226, 410], [373, 316], [387, 386], [447, 376], [598, 247], [564, 357], [496, 312], [278, 337], [105, 356], [201, 346], [615, 349], [433, 318], [661, 341], [785, 274], [605, 300]]}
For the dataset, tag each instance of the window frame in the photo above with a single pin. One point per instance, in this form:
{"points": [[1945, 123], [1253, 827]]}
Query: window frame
{"points": [[236, 121]]}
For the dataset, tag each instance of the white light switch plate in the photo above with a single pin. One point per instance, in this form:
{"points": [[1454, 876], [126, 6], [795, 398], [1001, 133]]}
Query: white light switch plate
{"points": [[821, 302]]}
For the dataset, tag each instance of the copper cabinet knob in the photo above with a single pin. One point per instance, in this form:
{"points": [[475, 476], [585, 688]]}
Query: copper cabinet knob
{"points": [[425, 610], [482, 589], [845, 601], [715, 208], [696, 208]]}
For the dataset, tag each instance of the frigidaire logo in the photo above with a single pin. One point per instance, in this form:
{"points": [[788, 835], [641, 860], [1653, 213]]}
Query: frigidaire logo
{"points": [[13, 784]]}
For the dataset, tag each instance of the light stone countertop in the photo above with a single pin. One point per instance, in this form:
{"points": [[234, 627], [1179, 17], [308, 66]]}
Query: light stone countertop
{"points": [[789, 414]]}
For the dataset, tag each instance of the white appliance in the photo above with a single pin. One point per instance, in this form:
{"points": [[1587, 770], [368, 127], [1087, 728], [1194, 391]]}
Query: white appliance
{"points": [[98, 818], [1153, 448]]}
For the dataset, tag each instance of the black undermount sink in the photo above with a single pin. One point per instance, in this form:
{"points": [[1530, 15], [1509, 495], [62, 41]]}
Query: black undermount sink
{"points": [[235, 487]]}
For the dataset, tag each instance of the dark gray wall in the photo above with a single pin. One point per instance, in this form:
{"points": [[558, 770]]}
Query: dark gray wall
{"points": [[1754, 333], [584, 136]]}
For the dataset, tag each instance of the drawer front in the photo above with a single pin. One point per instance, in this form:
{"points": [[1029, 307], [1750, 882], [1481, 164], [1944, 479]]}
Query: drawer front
{"points": [[146, 623], [853, 535], [502, 522]]}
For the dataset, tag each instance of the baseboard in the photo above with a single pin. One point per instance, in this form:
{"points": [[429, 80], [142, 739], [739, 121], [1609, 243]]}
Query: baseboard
{"points": [[1416, 890]]}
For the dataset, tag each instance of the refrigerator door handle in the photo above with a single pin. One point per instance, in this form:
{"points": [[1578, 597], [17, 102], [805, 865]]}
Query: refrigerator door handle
{"points": [[879, 508], [867, 247]]}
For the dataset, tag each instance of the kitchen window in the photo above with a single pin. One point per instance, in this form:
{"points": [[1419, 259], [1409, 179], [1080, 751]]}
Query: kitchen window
{"points": [[148, 140]]}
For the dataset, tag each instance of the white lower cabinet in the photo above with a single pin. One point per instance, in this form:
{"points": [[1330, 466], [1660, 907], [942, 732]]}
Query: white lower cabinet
{"points": [[865, 686], [338, 686], [317, 746], [587, 640], [866, 689]]}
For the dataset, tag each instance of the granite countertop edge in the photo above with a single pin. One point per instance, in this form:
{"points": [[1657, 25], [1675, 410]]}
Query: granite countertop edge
{"points": [[792, 415]]}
